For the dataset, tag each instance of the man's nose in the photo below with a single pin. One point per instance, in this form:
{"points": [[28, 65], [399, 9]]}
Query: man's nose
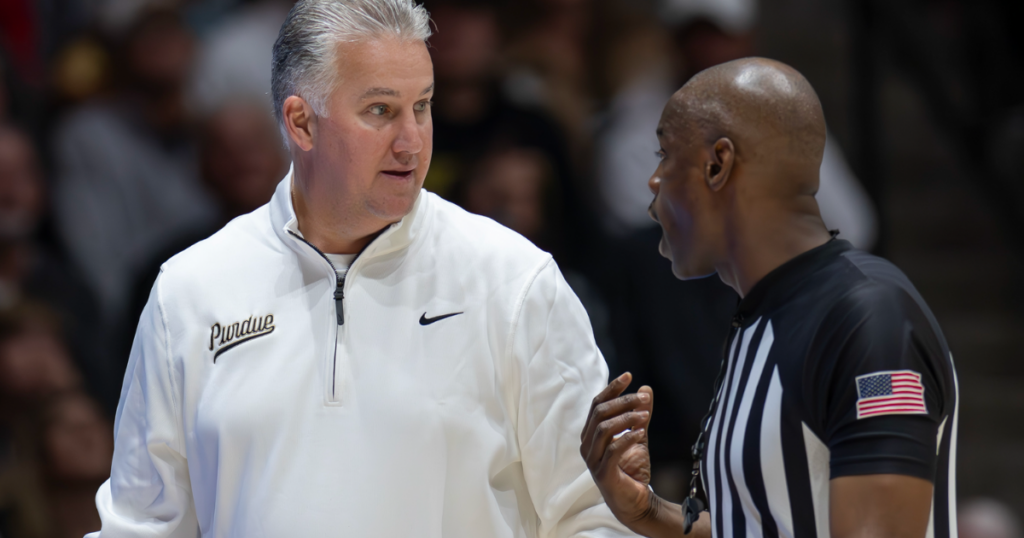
{"points": [[410, 136], [655, 185]]}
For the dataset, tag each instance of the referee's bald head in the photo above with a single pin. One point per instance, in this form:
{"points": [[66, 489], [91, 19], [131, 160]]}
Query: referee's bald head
{"points": [[767, 108], [741, 147]]}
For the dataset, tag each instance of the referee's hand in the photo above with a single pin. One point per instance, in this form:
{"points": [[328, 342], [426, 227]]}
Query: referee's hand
{"points": [[621, 464]]}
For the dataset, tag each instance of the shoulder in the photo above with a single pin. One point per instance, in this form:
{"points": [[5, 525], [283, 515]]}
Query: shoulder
{"points": [[880, 322], [245, 246], [471, 237], [879, 293]]}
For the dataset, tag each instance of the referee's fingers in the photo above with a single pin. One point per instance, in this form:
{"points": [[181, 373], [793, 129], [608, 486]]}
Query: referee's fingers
{"points": [[620, 405], [613, 389], [646, 404], [618, 448], [605, 432]]}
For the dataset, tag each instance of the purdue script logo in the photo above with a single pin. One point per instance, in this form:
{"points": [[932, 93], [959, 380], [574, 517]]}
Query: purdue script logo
{"points": [[225, 337]]}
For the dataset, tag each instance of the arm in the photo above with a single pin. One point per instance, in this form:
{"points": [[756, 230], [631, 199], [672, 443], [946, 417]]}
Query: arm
{"points": [[555, 369], [880, 505], [621, 465], [148, 493], [885, 452]]}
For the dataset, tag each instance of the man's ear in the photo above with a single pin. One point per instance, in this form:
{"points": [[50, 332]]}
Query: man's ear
{"points": [[719, 167], [299, 121]]}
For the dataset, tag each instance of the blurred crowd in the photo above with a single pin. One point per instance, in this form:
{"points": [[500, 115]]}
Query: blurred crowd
{"points": [[131, 129]]}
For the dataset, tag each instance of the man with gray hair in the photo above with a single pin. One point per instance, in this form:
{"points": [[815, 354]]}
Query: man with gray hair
{"points": [[358, 357]]}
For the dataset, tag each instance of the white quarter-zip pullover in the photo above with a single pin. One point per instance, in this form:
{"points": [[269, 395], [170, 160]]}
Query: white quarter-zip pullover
{"points": [[439, 392]]}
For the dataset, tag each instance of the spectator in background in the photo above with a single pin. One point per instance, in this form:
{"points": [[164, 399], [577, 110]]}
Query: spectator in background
{"points": [[517, 187], [242, 158], [512, 186], [234, 59], [705, 33], [641, 80], [472, 115], [5, 97], [241, 162], [127, 177], [987, 518], [34, 361], [34, 367], [29, 270], [63, 452], [551, 55], [76, 445]]}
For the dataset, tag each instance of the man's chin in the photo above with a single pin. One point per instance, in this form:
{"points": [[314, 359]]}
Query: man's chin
{"points": [[393, 207], [690, 273]]}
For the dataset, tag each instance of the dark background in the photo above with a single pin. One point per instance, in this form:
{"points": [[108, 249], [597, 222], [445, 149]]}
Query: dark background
{"points": [[129, 129]]}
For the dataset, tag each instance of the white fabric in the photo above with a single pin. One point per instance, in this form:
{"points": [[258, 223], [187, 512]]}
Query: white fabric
{"points": [[818, 469], [341, 262], [468, 426], [773, 466], [750, 511]]}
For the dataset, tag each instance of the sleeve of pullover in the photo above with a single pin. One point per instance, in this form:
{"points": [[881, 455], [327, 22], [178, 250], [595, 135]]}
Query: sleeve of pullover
{"points": [[559, 370], [148, 493]]}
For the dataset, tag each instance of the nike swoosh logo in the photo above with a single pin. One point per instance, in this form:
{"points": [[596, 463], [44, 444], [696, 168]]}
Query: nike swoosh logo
{"points": [[424, 320]]}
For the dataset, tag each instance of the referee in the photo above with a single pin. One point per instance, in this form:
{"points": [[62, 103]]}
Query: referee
{"points": [[835, 411]]}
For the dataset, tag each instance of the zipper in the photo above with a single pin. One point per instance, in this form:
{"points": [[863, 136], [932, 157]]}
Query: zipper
{"points": [[339, 290], [339, 302]]}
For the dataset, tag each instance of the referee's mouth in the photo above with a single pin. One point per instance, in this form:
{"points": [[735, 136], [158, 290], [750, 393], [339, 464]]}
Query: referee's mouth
{"points": [[651, 212]]}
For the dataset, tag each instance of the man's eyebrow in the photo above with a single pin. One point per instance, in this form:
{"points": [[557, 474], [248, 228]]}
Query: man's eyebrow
{"points": [[387, 92], [429, 88]]}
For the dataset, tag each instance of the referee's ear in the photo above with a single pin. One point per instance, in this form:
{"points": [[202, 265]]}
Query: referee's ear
{"points": [[719, 167]]}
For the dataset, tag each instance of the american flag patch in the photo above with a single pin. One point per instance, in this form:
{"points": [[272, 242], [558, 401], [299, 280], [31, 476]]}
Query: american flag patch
{"points": [[890, 393]]}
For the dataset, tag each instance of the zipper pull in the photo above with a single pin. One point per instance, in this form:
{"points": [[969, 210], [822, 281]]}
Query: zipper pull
{"points": [[339, 300]]}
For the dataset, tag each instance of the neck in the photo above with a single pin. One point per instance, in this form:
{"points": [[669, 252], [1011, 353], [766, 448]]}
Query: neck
{"points": [[328, 225], [761, 243]]}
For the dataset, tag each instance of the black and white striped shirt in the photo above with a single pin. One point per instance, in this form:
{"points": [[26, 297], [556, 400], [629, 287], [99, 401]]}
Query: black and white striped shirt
{"points": [[835, 367]]}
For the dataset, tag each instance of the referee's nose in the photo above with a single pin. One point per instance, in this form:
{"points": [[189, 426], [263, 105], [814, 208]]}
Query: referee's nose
{"points": [[655, 185]]}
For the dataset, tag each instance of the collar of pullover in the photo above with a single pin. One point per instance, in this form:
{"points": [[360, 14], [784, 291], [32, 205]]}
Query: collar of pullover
{"points": [[778, 286], [286, 225]]}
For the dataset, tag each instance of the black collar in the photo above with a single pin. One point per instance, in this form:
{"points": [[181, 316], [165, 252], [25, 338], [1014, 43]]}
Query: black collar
{"points": [[777, 286]]}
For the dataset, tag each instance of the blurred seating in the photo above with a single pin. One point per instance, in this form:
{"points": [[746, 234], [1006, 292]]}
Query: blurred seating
{"points": [[55, 441], [30, 270], [127, 179]]}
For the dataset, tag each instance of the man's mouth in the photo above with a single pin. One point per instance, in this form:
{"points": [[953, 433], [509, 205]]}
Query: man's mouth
{"points": [[398, 174]]}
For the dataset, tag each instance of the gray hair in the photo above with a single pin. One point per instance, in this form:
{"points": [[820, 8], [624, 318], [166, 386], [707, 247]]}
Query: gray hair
{"points": [[306, 48]]}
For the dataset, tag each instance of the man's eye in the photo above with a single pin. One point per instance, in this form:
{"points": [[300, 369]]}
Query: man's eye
{"points": [[660, 154], [422, 106], [379, 110]]}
